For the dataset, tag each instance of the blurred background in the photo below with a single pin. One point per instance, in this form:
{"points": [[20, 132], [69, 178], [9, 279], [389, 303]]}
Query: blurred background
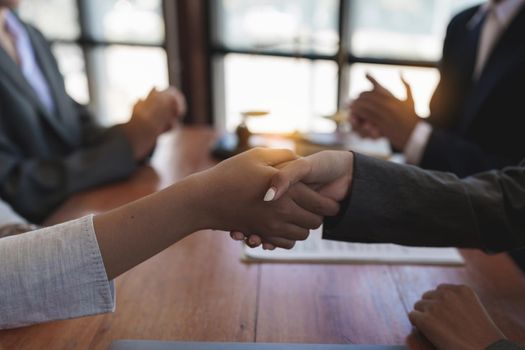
{"points": [[299, 59]]}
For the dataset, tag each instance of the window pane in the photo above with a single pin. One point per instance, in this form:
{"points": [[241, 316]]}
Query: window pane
{"points": [[72, 66], [297, 92], [409, 29], [124, 74], [274, 25], [57, 19], [136, 21], [422, 80]]}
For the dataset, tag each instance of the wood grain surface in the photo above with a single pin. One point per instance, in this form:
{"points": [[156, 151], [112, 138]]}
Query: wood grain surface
{"points": [[200, 290]]}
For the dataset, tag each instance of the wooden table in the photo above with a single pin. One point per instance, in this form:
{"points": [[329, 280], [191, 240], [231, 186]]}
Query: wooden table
{"points": [[199, 290]]}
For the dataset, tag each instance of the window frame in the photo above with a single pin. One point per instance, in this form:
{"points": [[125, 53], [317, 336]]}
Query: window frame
{"points": [[87, 43], [343, 57]]}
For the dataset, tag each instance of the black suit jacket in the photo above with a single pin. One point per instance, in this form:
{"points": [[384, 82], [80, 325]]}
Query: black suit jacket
{"points": [[392, 203], [478, 125], [45, 157]]}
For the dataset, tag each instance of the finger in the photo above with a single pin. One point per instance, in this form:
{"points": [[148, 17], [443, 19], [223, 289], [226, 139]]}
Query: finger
{"points": [[372, 131], [422, 305], [254, 241], [408, 88], [274, 156], [373, 98], [288, 212], [313, 202], [152, 92], [286, 231], [370, 113], [237, 236], [416, 318], [279, 242], [180, 104], [374, 81], [268, 246], [360, 127], [447, 286], [431, 294], [288, 176]]}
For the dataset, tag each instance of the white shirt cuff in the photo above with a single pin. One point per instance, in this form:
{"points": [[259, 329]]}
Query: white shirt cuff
{"points": [[417, 143], [52, 274]]}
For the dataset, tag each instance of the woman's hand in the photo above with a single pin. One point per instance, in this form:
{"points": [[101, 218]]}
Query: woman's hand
{"points": [[329, 173], [232, 198]]}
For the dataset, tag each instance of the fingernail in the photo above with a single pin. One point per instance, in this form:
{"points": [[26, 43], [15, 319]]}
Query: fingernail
{"points": [[238, 236], [270, 195]]}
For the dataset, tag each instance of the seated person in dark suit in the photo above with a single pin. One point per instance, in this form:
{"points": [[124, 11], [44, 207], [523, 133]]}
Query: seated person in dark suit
{"points": [[383, 202], [476, 121], [50, 146]]}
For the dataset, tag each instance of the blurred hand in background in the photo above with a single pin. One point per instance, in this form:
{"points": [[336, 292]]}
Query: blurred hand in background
{"points": [[159, 112], [378, 113]]}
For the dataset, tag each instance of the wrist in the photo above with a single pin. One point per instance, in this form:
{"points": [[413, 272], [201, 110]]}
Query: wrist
{"points": [[199, 197], [140, 137]]}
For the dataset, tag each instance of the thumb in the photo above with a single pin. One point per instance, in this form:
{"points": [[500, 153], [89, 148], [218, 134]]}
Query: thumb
{"points": [[273, 157], [408, 88], [286, 177], [377, 86]]}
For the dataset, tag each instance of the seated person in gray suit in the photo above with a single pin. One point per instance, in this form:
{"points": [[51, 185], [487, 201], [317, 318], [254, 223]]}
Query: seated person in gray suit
{"points": [[50, 146], [383, 202]]}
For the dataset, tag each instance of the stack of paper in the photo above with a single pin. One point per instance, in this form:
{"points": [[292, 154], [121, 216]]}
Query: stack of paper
{"points": [[317, 250]]}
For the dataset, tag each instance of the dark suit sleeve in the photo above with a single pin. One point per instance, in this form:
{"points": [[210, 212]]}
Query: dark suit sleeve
{"points": [[447, 151], [36, 186], [392, 203]]}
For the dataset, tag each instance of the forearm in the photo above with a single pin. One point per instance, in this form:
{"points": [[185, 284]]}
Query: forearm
{"points": [[36, 186], [135, 232], [390, 203]]}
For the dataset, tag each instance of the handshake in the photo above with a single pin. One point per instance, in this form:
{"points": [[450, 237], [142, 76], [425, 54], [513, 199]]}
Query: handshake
{"points": [[274, 197]]}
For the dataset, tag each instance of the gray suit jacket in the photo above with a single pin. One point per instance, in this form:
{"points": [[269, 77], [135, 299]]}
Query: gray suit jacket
{"points": [[44, 157], [392, 203]]}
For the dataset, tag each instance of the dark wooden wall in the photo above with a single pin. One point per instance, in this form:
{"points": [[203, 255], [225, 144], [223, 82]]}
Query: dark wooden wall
{"points": [[187, 36]]}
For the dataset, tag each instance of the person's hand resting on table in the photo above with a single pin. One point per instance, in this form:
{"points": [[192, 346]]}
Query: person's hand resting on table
{"points": [[329, 173], [159, 112], [453, 318]]}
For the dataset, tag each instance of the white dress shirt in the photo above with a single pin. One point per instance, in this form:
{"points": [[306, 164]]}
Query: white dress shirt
{"points": [[28, 61], [52, 274], [498, 16]]}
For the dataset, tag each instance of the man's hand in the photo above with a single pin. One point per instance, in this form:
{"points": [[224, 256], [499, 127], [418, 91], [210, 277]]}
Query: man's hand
{"points": [[378, 113], [158, 113], [329, 173], [453, 318], [233, 194]]}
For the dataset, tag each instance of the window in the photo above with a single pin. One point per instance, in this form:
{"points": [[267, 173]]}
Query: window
{"points": [[304, 59], [103, 47]]}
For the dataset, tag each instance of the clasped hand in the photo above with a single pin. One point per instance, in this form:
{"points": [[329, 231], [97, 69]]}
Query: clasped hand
{"points": [[287, 196]]}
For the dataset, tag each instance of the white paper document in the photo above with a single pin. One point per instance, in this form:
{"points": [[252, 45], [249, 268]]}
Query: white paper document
{"points": [[317, 250]]}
